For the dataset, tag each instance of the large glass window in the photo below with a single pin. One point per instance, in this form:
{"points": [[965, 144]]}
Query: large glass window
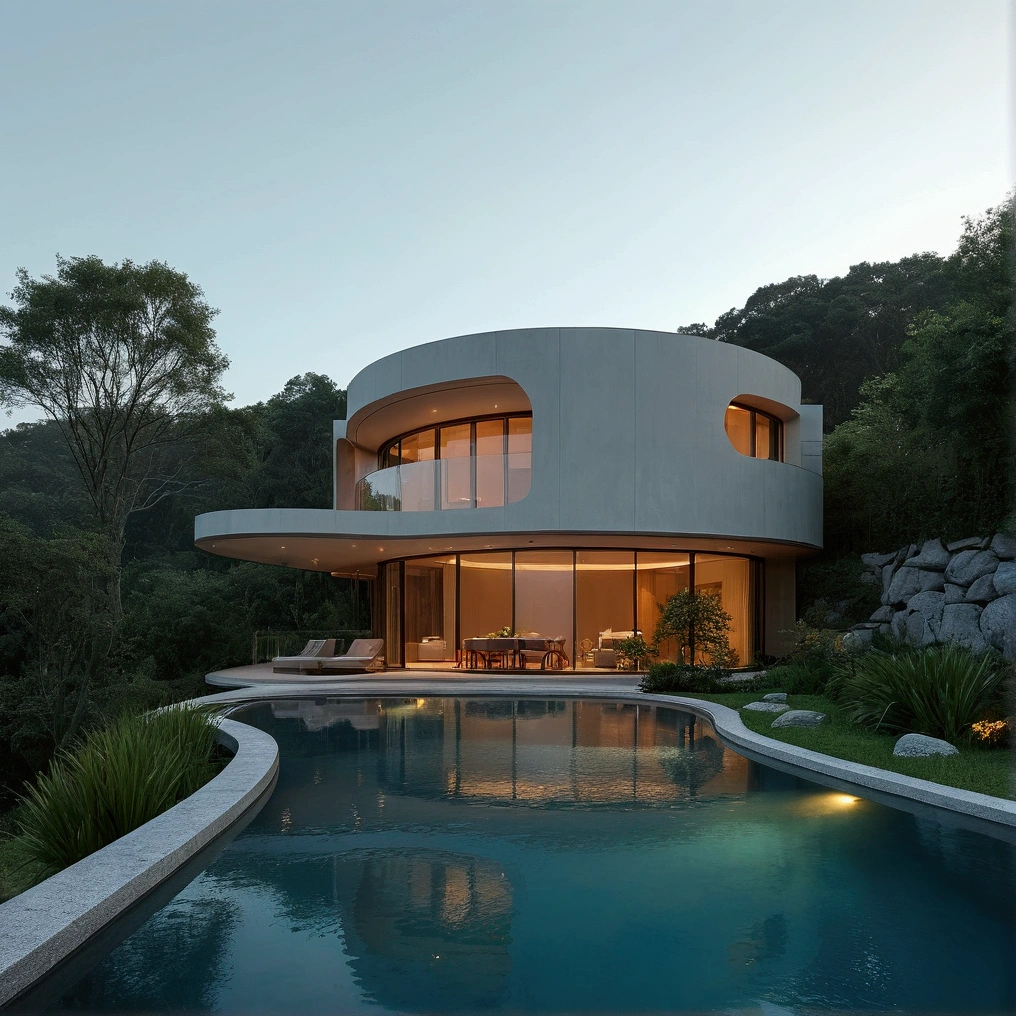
{"points": [[490, 465], [729, 578], [430, 610], [753, 432], [456, 466], [416, 472], [660, 576], [393, 613], [520, 457], [587, 599], [485, 593], [544, 595], [481, 463], [604, 605]]}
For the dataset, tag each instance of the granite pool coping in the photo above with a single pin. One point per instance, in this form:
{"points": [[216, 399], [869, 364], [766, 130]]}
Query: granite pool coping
{"points": [[46, 925]]}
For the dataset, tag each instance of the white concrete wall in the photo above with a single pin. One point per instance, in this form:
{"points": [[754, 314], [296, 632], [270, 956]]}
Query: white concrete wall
{"points": [[627, 434]]}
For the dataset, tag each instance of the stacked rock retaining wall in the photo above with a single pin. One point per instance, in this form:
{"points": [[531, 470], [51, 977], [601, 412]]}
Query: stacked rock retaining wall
{"points": [[962, 592]]}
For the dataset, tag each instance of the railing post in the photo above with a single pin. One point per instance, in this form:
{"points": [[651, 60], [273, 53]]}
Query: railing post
{"points": [[254, 650]]}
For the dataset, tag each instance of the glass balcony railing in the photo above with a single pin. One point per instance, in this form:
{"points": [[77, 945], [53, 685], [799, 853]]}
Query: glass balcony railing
{"points": [[479, 481]]}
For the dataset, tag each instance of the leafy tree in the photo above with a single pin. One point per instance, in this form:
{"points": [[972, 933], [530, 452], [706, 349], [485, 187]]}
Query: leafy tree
{"points": [[57, 634], [699, 625], [122, 359]]}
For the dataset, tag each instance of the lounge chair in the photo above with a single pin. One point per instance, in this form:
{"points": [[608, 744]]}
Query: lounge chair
{"points": [[359, 656], [314, 649]]}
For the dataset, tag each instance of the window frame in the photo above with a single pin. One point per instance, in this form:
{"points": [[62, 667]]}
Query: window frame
{"points": [[775, 424]]}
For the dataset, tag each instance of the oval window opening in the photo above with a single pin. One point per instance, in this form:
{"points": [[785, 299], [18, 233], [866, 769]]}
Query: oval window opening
{"points": [[753, 432]]}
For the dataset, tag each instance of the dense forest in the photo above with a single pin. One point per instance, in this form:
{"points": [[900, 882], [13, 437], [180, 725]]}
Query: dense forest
{"points": [[105, 604]]}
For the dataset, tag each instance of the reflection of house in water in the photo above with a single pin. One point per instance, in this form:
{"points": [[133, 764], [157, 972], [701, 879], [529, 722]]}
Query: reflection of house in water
{"points": [[426, 930], [560, 751], [317, 714]]}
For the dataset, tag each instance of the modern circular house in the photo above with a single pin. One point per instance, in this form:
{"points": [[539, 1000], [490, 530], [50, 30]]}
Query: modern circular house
{"points": [[560, 481]]}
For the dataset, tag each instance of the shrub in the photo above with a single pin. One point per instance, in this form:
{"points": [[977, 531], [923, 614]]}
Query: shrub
{"points": [[697, 622], [668, 676], [634, 652], [940, 690], [800, 678], [118, 779], [994, 733]]}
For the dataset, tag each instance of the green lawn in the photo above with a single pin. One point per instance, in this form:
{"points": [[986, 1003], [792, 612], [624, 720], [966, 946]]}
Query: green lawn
{"points": [[989, 772]]}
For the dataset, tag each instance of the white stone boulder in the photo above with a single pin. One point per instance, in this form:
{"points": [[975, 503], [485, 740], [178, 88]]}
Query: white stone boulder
{"points": [[766, 707], [1004, 578], [906, 582], [775, 696], [932, 557], [967, 544], [922, 746], [981, 590], [998, 625], [799, 718], [961, 624], [968, 565], [1004, 546]]}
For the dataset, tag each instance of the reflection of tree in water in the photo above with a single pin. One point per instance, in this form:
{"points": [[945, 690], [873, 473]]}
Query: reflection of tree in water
{"points": [[765, 940], [692, 765], [426, 929], [177, 957]]}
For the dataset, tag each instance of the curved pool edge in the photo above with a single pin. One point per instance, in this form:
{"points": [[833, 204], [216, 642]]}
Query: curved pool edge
{"points": [[882, 785], [45, 926]]}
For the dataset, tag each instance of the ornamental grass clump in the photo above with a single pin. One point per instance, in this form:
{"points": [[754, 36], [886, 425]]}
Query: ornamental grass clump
{"points": [[119, 778], [941, 690]]}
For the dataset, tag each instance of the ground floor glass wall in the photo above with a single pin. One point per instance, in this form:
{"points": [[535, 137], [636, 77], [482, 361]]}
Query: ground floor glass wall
{"points": [[587, 599]]}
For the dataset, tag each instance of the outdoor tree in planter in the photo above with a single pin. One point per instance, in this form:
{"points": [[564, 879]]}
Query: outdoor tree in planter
{"points": [[697, 620]]}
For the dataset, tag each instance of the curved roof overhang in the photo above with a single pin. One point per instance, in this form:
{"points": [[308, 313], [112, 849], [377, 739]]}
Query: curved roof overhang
{"points": [[351, 554], [414, 408]]}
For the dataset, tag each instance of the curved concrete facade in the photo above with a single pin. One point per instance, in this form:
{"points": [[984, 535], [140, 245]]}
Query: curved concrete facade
{"points": [[628, 449]]}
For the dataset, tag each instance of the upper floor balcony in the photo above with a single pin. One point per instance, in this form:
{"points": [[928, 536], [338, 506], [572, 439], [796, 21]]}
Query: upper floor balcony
{"points": [[478, 463]]}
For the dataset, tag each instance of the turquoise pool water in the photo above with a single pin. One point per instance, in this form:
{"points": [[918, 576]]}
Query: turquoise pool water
{"points": [[446, 855]]}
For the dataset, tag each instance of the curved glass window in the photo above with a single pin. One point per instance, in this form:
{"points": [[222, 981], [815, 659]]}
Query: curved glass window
{"points": [[754, 433], [586, 602], [481, 463]]}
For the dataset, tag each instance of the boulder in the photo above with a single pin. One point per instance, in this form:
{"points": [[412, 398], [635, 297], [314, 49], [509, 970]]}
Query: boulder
{"points": [[799, 718], [887, 580], [904, 552], [1004, 578], [883, 614], [775, 696], [905, 583], [961, 624], [870, 578], [933, 580], [898, 625], [998, 625], [968, 565], [766, 707], [917, 631], [982, 590], [922, 746], [967, 544], [954, 594], [932, 556], [1004, 546], [877, 560], [858, 639], [930, 604]]}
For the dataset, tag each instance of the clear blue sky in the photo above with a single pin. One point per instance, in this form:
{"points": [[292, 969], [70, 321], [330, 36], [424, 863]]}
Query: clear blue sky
{"points": [[345, 180]]}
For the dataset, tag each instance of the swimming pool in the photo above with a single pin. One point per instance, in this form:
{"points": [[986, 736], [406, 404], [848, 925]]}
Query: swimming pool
{"points": [[459, 855]]}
